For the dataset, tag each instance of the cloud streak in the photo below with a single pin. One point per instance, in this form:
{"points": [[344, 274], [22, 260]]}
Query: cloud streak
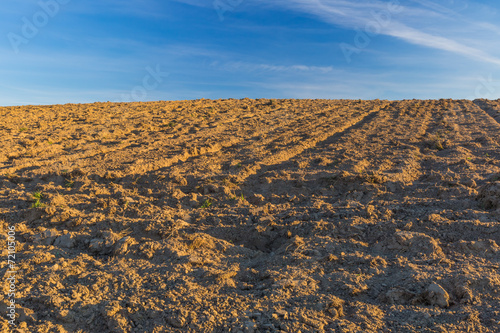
{"points": [[357, 15], [414, 22], [250, 67], [417, 37]]}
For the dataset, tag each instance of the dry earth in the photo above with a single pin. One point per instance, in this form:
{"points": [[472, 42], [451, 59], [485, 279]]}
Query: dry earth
{"points": [[253, 216]]}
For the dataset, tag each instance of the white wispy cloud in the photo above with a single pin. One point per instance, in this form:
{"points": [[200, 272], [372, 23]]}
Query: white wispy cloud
{"points": [[251, 67], [404, 22], [452, 8], [433, 24], [421, 38]]}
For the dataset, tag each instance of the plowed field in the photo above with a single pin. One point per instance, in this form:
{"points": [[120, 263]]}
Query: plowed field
{"points": [[253, 216]]}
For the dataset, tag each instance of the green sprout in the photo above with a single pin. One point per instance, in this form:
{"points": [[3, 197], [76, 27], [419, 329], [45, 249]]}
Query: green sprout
{"points": [[207, 203], [241, 197], [37, 196]]}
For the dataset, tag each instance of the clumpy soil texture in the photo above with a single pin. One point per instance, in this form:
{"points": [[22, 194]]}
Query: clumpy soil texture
{"points": [[253, 216]]}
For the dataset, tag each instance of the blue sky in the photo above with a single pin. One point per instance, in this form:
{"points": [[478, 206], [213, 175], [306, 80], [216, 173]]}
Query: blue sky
{"points": [[61, 51]]}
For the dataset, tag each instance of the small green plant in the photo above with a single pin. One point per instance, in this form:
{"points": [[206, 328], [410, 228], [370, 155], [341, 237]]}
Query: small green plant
{"points": [[23, 129], [238, 165], [69, 183], [207, 203], [37, 197], [241, 197]]}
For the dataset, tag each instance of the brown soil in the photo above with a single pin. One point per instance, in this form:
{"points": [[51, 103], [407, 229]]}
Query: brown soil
{"points": [[253, 216]]}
